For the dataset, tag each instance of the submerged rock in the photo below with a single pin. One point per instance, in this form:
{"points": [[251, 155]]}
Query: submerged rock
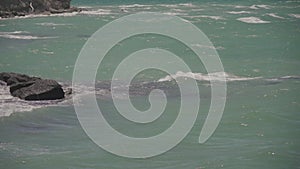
{"points": [[32, 88]]}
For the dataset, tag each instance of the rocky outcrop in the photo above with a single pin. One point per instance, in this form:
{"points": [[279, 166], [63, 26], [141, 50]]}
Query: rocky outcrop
{"points": [[10, 8], [32, 88]]}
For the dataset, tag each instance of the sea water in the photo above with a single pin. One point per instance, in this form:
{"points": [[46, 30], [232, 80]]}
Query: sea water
{"points": [[258, 44]]}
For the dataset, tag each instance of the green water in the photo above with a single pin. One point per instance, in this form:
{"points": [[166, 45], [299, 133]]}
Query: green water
{"points": [[260, 124]]}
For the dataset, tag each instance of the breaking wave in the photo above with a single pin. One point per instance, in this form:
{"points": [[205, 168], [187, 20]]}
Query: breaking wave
{"points": [[275, 16], [252, 20], [96, 12], [52, 24], [22, 35], [239, 12], [295, 15], [218, 76], [10, 104]]}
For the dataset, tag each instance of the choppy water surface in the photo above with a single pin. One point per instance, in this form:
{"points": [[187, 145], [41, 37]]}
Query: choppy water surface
{"points": [[258, 44]]}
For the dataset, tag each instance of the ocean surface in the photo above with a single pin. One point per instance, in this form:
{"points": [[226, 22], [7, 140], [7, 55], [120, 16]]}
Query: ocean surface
{"points": [[257, 42]]}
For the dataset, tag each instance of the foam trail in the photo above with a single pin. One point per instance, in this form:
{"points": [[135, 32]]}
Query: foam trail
{"points": [[52, 24], [22, 35], [295, 15], [239, 12], [133, 6], [252, 20], [187, 4], [10, 104], [218, 76], [174, 13], [212, 17], [97, 12], [42, 15], [260, 6], [275, 16]]}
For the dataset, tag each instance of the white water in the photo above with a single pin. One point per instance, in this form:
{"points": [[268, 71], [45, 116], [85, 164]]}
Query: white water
{"points": [[252, 20], [218, 76], [22, 35]]}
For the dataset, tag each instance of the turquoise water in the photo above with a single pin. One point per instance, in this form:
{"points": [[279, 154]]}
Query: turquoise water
{"points": [[260, 124]]}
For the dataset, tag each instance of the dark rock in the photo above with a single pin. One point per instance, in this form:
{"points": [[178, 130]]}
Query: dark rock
{"points": [[11, 8], [18, 86], [12, 78], [39, 90], [32, 88], [68, 91]]}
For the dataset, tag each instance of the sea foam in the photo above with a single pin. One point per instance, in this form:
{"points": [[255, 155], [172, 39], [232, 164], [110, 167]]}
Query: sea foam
{"points": [[275, 16], [239, 12], [217, 76], [295, 15], [252, 20], [97, 12], [52, 24], [23, 35]]}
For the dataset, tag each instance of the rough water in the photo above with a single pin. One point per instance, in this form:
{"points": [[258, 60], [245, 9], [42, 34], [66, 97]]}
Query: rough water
{"points": [[258, 44]]}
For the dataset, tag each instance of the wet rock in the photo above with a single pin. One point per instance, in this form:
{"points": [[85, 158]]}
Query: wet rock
{"points": [[32, 88], [38, 90], [11, 8], [12, 78]]}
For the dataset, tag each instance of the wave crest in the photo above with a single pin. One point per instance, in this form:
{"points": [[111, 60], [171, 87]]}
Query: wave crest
{"points": [[217, 76]]}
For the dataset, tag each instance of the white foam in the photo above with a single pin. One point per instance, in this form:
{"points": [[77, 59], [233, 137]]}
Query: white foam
{"points": [[206, 46], [290, 77], [252, 20], [264, 6], [177, 10], [260, 6], [275, 16], [295, 15], [240, 6], [239, 12], [218, 76], [177, 5], [174, 13], [10, 104], [42, 15], [253, 7], [21, 35], [14, 32], [206, 16], [52, 24], [65, 14], [85, 7], [187, 4], [133, 6], [168, 5], [211, 17], [97, 12]]}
